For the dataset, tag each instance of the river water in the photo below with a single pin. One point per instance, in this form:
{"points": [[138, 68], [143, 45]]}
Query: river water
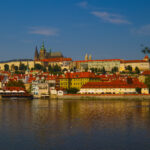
{"points": [[74, 125]]}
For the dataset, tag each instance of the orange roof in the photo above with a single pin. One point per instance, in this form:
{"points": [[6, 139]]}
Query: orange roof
{"points": [[98, 60], [147, 72], [1, 78], [14, 88], [56, 59], [133, 61], [146, 57], [79, 75], [114, 84]]}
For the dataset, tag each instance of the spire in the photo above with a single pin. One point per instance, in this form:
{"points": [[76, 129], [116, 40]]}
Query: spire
{"points": [[36, 55], [43, 47]]}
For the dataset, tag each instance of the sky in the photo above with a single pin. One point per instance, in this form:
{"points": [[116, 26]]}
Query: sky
{"points": [[106, 29]]}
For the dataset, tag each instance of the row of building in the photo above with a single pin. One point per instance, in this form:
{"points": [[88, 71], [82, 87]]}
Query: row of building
{"points": [[41, 83], [44, 84], [45, 58]]}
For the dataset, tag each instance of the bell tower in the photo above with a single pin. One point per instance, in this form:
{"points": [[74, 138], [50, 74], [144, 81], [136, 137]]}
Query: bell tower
{"points": [[86, 57], [42, 52]]}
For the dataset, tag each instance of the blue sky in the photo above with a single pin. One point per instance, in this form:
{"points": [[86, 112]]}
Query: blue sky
{"points": [[103, 28]]}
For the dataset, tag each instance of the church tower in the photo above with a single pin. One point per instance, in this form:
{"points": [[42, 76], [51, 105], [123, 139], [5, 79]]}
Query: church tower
{"points": [[86, 57], [36, 55], [90, 57], [42, 52]]}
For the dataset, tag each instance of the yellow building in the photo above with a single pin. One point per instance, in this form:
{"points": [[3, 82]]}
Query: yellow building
{"points": [[113, 87], [62, 62], [141, 64], [11, 64], [77, 80], [109, 64]]}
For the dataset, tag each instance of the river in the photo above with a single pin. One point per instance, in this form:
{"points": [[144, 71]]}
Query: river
{"points": [[74, 125]]}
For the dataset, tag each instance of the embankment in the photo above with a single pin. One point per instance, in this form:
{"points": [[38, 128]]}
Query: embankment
{"points": [[102, 97]]}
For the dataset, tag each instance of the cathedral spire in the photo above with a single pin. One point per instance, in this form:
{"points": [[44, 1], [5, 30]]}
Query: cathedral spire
{"points": [[43, 47], [36, 55]]}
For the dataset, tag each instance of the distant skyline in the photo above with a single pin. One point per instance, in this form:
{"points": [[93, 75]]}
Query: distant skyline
{"points": [[103, 28]]}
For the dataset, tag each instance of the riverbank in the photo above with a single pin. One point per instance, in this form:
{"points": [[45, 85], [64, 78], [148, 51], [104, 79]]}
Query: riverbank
{"points": [[104, 96]]}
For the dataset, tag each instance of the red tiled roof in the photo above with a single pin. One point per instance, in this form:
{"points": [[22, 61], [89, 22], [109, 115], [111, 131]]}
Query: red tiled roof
{"points": [[1, 78], [98, 60], [14, 88], [133, 61], [147, 72], [114, 84], [80, 75], [146, 57], [56, 59]]}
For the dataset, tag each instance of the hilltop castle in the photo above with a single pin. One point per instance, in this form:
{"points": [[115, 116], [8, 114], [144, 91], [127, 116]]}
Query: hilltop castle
{"points": [[43, 54]]}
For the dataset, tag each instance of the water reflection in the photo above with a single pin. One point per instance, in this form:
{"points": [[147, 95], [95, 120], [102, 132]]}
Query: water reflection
{"points": [[74, 124]]}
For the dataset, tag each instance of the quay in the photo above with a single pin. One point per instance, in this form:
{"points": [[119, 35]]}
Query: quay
{"points": [[103, 97]]}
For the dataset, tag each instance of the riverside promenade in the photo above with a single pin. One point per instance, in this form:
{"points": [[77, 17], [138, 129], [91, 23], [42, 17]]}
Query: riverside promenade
{"points": [[104, 96]]}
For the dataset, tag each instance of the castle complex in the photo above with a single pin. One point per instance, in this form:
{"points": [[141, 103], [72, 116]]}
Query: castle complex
{"points": [[43, 54], [45, 58]]}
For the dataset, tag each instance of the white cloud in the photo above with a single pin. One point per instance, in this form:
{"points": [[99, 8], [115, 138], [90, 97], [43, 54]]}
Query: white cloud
{"points": [[46, 31], [111, 18], [83, 4], [144, 30]]}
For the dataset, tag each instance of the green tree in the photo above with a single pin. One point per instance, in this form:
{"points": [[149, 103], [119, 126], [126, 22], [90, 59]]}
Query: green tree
{"points": [[64, 70], [22, 67], [129, 68], [114, 70], [92, 69], [16, 68], [57, 68], [86, 69], [6, 67], [44, 69], [145, 50], [137, 70], [138, 90], [103, 70], [38, 67], [72, 91], [50, 69], [147, 81]]}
